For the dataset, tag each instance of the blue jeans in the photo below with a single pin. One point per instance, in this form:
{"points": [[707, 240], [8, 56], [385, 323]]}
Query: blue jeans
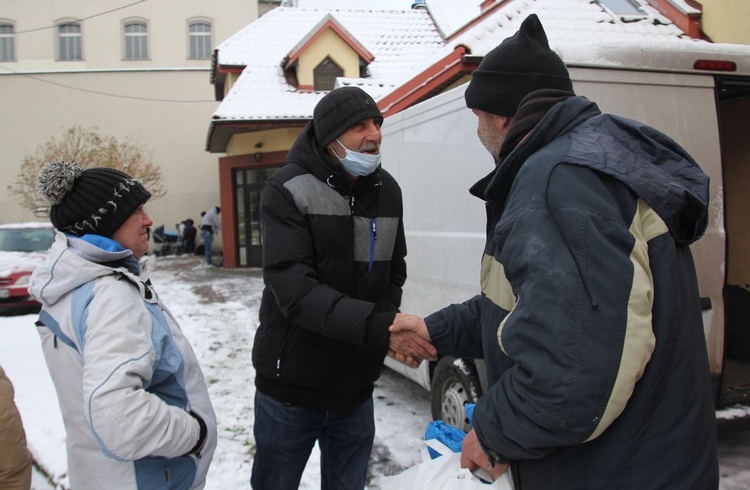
{"points": [[208, 239], [285, 435]]}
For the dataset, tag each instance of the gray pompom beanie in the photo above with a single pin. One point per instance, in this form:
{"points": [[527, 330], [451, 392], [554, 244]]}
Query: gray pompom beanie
{"points": [[339, 110], [520, 65], [94, 200]]}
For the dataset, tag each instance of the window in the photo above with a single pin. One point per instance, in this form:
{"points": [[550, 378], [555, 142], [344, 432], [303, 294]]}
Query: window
{"points": [[326, 74], [622, 7], [199, 39], [69, 42], [7, 43], [136, 41]]}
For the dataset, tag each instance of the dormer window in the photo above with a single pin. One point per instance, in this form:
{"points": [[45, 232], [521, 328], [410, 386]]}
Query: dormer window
{"points": [[326, 73], [328, 41]]}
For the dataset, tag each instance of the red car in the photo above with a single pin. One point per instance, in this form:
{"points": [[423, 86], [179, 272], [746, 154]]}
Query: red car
{"points": [[23, 246]]}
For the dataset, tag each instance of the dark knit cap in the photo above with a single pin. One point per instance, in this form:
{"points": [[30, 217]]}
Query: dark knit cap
{"points": [[339, 110], [94, 200], [520, 65]]}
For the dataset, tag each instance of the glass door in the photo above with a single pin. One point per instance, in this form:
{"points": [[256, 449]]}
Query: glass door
{"points": [[248, 186]]}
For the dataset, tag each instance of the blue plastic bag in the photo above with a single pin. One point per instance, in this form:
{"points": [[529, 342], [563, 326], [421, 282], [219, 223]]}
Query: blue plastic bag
{"points": [[452, 437], [469, 407]]}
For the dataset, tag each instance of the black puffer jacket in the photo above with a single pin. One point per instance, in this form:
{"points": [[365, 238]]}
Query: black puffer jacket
{"points": [[333, 265]]}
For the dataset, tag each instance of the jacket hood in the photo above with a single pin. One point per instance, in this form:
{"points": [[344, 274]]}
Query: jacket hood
{"points": [[308, 154], [72, 262], [652, 165]]}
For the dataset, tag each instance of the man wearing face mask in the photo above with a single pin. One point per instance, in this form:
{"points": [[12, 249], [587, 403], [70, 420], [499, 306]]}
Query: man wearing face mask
{"points": [[333, 265]]}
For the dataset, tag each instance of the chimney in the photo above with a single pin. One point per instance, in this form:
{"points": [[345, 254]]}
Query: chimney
{"points": [[419, 5]]}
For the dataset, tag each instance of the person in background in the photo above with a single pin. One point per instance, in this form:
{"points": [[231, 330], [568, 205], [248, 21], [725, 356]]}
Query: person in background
{"points": [[209, 225], [133, 398], [589, 317], [333, 266], [15, 458], [188, 236]]}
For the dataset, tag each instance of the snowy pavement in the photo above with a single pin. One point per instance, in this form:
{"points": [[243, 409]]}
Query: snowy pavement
{"points": [[217, 309]]}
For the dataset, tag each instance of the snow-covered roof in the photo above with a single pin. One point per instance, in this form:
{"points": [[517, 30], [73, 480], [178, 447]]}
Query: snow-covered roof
{"points": [[398, 40], [408, 44], [581, 23]]}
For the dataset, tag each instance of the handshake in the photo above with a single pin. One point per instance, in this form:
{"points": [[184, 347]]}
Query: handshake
{"points": [[410, 340]]}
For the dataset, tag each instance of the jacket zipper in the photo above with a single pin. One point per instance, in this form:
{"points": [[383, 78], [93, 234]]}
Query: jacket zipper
{"points": [[373, 238], [373, 234]]}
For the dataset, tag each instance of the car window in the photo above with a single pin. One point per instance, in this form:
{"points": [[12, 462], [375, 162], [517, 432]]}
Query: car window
{"points": [[26, 240]]}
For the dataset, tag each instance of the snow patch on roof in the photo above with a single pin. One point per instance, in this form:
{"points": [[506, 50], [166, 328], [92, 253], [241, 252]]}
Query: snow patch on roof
{"points": [[451, 15]]}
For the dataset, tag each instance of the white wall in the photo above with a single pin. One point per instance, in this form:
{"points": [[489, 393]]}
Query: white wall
{"points": [[139, 100]]}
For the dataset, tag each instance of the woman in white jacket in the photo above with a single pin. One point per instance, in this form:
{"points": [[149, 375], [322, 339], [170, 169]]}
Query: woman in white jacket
{"points": [[133, 397]]}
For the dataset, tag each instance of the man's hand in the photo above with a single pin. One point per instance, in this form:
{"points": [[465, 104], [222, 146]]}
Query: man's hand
{"points": [[473, 457], [410, 348], [412, 344], [412, 323]]}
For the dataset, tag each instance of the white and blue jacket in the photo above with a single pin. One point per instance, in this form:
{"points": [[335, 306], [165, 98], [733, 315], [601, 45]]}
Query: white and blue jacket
{"points": [[126, 377]]}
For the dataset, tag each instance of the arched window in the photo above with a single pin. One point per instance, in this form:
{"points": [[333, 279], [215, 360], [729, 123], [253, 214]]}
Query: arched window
{"points": [[69, 42], [136, 40], [326, 73], [7, 42], [199, 39]]}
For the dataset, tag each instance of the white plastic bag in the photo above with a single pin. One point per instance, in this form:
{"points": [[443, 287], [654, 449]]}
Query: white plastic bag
{"points": [[443, 473]]}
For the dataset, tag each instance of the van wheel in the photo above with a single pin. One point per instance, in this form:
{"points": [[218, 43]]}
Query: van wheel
{"points": [[454, 383]]}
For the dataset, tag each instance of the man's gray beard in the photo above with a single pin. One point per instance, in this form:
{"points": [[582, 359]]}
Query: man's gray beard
{"points": [[488, 140]]}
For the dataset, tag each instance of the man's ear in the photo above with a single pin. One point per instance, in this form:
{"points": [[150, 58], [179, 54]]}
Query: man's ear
{"points": [[503, 125]]}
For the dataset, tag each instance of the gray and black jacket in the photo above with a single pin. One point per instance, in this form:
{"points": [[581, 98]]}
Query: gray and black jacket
{"points": [[333, 265], [589, 318]]}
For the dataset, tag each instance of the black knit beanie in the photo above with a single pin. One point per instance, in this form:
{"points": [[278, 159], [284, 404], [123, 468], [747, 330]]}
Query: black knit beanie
{"points": [[520, 65], [339, 110], [94, 200]]}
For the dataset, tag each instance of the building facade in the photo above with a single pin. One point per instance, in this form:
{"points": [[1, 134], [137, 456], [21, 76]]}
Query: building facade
{"points": [[137, 70], [269, 75]]}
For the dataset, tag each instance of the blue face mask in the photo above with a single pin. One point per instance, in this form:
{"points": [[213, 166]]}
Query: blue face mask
{"points": [[356, 163]]}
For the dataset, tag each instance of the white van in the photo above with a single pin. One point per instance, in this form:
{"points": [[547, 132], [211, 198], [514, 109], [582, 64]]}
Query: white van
{"points": [[699, 96]]}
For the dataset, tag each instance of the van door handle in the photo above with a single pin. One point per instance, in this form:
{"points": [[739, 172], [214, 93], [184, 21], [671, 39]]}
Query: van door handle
{"points": [[706, 304]]}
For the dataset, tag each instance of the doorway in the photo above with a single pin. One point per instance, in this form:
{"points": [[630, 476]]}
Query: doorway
{"points": [[248, 184], [734, 106]]}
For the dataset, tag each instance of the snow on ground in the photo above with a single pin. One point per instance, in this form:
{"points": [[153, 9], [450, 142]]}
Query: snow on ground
{"points": [[218, 310]]}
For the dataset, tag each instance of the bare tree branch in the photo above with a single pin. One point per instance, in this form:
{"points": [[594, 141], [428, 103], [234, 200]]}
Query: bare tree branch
{"points": [[89, 148]]}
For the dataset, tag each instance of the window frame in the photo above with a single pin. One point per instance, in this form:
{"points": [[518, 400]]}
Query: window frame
{"points": [[637, 11], [76, 43], [339, 72], [200, 39], [141, 36], [7, 41]]}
